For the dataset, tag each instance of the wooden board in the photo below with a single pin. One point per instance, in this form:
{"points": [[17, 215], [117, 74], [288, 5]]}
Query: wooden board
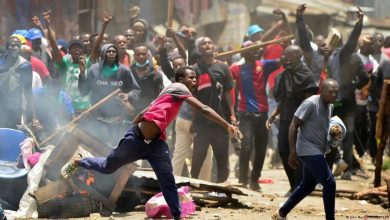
{"points": [[128, 170], [106, 188], [51, 190]]}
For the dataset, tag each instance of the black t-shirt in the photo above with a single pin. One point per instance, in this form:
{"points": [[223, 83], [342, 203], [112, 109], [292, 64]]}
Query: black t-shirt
{"points": [[213, 81]]}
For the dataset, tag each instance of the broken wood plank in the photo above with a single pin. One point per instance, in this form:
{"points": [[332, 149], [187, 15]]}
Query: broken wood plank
{"points": [[382, 129], [382, 190], [213, 198], [51, 190], [127, 171], [339, 193]]}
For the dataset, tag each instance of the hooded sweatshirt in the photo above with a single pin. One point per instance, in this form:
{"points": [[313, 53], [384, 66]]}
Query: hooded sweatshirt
{"points": [[100, 85], [146, 39]]}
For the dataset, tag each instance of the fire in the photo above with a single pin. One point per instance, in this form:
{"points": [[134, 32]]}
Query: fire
{"points": [[91, 178], [83, 192], [62, 195]]}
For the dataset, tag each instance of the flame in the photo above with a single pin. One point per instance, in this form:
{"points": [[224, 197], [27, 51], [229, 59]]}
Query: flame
{"points": [[91, 178], [83, 192], [62, 195]]}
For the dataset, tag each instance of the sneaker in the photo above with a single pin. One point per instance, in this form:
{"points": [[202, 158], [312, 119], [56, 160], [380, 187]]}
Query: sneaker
{"points": [[341, 165], [255, 186], [346, 175], [70, 167], [276, 216]]}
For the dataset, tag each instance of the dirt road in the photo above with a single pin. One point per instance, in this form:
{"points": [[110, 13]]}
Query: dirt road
{"points": [[272, 196]]}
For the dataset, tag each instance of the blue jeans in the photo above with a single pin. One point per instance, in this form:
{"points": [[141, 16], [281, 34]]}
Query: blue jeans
{"points": [[315, 170], [132, 147]]}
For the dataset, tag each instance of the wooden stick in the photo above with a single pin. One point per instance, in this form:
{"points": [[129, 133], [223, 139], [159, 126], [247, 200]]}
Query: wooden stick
{"points": [[382, 130], [256, 46], [382, 191], [170, 13], [78, 118]]}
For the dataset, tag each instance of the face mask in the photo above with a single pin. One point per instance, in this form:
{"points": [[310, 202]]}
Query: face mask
{"points": [[140, 66], [13, 53]]}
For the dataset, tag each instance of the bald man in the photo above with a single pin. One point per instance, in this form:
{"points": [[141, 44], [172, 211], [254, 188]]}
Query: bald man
{"points": [[292, 86], [308, 144]]}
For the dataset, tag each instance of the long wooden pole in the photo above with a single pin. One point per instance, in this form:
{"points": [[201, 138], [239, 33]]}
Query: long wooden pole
{"points": [[382, 130], [170, 13], [256, 46], [78, 118]]}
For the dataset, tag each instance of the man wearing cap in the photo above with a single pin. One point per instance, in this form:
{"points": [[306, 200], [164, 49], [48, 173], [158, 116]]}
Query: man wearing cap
{"points": [[255, 32], [15, 84], [68, 68], [39, 51], [37, 65]]}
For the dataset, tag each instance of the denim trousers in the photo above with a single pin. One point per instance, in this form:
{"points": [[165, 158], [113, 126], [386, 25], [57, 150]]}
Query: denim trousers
{"points": [[133, 147], [315, 170]]}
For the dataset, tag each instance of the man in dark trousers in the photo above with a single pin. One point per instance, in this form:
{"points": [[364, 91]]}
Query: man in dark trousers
{"points": [[292, 86], [145, 139], [308, 142], [214, 89], [251, 79]]}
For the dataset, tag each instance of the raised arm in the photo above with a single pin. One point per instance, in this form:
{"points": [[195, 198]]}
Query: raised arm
{"points": [[56, 53], [96, 45], [350, 46], [164, 61], [270, 33], [39, 25], [179, 45], [304, 41]]}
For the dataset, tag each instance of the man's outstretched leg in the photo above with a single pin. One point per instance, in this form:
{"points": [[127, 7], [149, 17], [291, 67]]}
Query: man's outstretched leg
{"points": [[130, 148]]}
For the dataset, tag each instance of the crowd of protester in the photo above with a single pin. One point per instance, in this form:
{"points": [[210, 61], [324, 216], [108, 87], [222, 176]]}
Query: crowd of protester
{"points": [[51, 81]]}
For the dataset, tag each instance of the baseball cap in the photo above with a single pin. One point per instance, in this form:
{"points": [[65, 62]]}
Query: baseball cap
{"points": [[35, 33], [24, 33], [20, 37], [253, 29]]}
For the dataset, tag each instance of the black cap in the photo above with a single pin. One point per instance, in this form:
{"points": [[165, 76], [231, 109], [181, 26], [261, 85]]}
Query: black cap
{"points": [[75, 42]]}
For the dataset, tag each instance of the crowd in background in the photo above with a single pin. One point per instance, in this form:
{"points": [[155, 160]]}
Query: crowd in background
{"points": [[51, 81]]}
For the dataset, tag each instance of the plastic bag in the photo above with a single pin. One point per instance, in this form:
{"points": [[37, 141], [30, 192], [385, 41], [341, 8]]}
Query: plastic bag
{"points": [[156, 207]]}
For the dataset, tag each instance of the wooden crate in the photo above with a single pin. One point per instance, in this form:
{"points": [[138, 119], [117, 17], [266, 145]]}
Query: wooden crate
{"points": [[105, 189]]}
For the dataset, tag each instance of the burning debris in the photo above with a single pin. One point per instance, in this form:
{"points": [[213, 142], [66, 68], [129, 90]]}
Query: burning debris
{"points": [[89, 192]]}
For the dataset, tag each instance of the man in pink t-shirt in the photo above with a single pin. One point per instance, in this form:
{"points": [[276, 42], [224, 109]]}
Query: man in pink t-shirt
{"points": [[146, 138]]}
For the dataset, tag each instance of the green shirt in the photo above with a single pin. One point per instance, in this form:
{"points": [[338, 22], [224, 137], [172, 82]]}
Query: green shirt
{"points": [[70, 79]]}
